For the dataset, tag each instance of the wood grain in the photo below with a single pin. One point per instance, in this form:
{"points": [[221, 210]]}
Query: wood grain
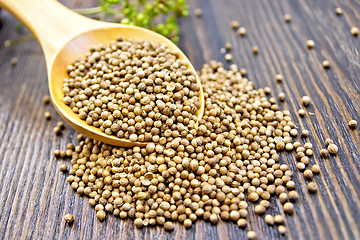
{"points": [[34, 195]]}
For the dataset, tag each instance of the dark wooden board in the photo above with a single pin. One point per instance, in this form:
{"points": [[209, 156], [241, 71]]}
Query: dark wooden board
{"points": [[34, 195]]}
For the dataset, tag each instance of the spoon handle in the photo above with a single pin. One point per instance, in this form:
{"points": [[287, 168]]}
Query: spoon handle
{"points": [[52, 23]]}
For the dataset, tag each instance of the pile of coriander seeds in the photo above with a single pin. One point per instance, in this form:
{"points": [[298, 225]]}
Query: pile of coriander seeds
{"points": [[130, 89], [229, 161]]}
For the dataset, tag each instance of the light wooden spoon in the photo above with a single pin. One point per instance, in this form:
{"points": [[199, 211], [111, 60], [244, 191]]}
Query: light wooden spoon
{"points": [[66, 36]]}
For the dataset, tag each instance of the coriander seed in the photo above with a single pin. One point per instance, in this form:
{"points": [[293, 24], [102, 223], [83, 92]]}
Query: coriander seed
{"points": [[278, 219], [187, 223], [304, 133], [168, 226], [255, 50], [338, 11], [352, 124], [63, 167], [279, 78], [47, 115], [269, 219], [57, 153], [287, 18], [326, 64], [14, 61], [312, 187], [354, 31], [259, 209], [324, 153], [234, 24], [242, 31], [57, 130], [198, 12], [315, 169], [228, 46], [305, 100], [282, 229], [310, 44], [60, 125], [308, 173], [251, 235], [281, 96], [46, 99], [138, 222], [242, 222], [301, 112], [69, 218], [328, 141], [101, 215], [293, 195], [243, 72], [333, 149], [228, 57]]}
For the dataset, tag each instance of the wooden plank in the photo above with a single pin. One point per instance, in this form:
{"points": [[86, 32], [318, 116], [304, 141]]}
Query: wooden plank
{"points": [[35, 195]]}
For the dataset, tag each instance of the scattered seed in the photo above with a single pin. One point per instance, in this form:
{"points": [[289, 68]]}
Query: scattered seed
{"points": [[315, 169], [308, 173], [187, 223], [293, 195], [281, 96], [228, 46], [304, 133], [301, 112], [267, 90], [69, 218], [279, 78], [354, 31], [198, 12], [259, 209], [305, 100], [60, 125], [168, 226], [57, 153], [63, 167], [324, 153], [269, 219], [242, 31], [278, 219], [333, 149], [301, 166], [328, 141], [326, 64], [312, 187], [338, 11], [251, 235], [235, 24], [282, 229], [14, 61], [57, 130], [352, 124], [243, 72], [228, 57], [287, 18], [310, 44], [190, 172], [242, 222], [46, 99], [255, 50], [138, 222], [47, 115], [289, 208]]}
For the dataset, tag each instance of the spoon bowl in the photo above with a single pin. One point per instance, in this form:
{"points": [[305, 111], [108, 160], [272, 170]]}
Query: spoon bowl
{"points": [[67, 38]]}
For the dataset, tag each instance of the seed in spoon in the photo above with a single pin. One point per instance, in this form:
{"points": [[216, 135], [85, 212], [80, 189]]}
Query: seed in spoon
{"points": [[133, 90]]}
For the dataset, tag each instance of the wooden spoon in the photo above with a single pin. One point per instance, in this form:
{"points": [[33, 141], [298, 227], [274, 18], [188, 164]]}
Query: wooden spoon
{"points": [[66, 36]]}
